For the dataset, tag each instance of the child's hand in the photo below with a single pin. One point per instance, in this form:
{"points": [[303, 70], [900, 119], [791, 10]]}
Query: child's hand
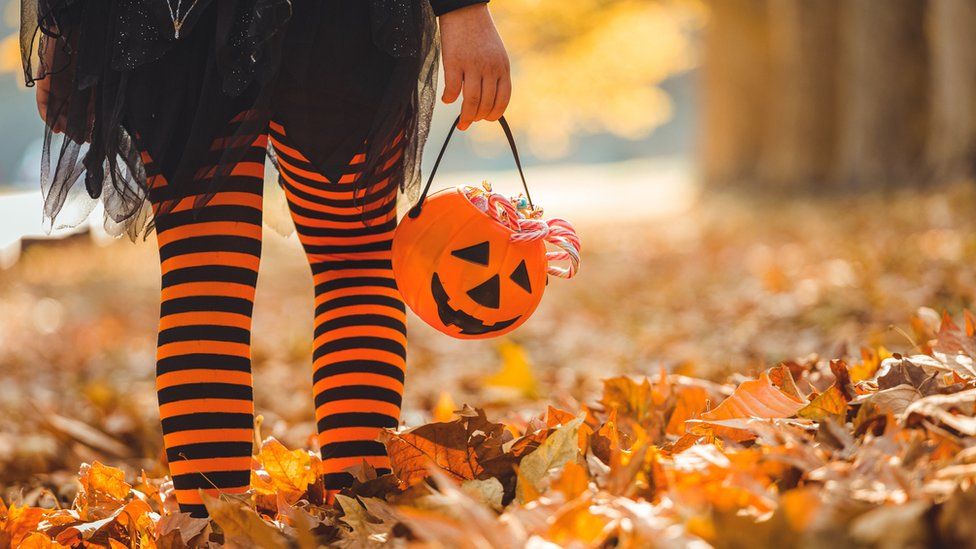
{"points": [[475, 61]]}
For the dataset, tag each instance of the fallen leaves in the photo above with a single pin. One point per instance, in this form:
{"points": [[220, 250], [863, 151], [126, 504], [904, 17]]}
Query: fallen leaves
{"points": [[955, 412], [880, 452], [242, 526]]}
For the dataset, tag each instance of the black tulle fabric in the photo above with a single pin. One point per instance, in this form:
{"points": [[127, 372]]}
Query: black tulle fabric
{"points": [[342, 75]]}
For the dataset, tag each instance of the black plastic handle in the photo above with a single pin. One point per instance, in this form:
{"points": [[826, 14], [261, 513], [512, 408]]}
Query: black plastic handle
{"points": [[415, 211]]}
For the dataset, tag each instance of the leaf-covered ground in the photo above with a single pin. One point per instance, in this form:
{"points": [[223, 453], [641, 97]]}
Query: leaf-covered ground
{"points": [[751, 372]]}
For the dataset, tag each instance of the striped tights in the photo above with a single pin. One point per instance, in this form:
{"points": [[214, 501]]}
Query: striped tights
{"points": [[209, 264]]}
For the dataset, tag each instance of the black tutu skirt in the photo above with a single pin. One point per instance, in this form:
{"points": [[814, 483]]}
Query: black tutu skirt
{"points": [[343, 76]]}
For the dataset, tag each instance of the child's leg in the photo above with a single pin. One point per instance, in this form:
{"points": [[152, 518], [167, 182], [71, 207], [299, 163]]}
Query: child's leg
{"points": [[360, 335], [209, 262]]}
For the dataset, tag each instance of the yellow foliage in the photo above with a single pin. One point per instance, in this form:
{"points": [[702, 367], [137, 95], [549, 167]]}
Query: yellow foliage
{"points": [[515, 373], [594, 66]]}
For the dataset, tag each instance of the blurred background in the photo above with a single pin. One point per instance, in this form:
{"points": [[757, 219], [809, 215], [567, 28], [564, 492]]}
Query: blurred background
{"points": [[753, 180]]}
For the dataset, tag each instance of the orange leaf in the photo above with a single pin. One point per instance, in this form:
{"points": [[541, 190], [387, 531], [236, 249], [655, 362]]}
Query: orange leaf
{"points": [[800, 507], [757, 398], [577, 524], [444, 409], [556, 417], [573, 481], [290, 471], [691, 402], [37, 540], [102, 487], [830, 403], [459, 447], [631, 399], [20, 522]]}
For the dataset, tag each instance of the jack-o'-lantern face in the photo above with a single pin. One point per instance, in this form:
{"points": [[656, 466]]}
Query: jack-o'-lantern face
{"points": [[459, 270]]}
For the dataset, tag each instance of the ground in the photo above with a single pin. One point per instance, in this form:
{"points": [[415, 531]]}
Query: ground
{"points": [[726, 284]]}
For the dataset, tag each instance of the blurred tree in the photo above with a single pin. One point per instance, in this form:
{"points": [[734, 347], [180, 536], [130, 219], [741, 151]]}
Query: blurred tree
{"points": [[800, 95], [952, 149], [884, 81], [734, 88], [846, 93], [811, 93]]}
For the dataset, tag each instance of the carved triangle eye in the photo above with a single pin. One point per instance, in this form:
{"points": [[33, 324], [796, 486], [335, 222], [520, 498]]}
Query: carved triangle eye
{"points": [[478, 253], [486, 294], [520, 276]]}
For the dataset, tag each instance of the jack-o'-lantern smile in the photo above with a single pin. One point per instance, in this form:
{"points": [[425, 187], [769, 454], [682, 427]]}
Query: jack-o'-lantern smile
{"points": [[469, 277], [468, 324]]}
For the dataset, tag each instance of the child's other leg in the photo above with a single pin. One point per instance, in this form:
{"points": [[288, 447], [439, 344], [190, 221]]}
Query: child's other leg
{"points": [[360, 335]]}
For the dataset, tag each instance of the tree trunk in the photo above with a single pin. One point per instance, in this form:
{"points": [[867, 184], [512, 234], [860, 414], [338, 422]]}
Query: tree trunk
{"points": [[734, 89], [952, 145], [884, 92], [799, 141]]}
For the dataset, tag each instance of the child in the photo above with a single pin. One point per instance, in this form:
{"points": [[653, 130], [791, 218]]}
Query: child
{"points": [[163, 111]]}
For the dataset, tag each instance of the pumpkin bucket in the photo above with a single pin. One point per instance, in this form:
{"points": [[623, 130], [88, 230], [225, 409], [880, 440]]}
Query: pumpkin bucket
{"points": [[474, 264]]}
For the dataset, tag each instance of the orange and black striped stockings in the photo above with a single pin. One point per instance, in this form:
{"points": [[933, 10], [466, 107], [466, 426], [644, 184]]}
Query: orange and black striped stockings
{"points": [[209, 263]]}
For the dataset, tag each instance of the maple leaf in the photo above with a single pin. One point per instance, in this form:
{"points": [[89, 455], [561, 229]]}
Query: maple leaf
{"points": [[756, 398], [76, 533], [703, 476], [460, 448], [892, 401], [556, 417], [289, 471], [870, 362], [453, 518], [242, 525], [103, 489]]}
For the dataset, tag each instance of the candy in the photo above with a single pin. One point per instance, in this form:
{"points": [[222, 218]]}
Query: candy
{"points": [[526, 221]]}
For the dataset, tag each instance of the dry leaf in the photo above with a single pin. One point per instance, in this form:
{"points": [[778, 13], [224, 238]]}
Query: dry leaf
{"points": [[289, 471], [488, 492], [19, 522], [830, 403], [460, 447], [691, 403], [573, 481], [37, 540], [956, 412], [186, 526], [757, 398], [241, 525], [561, 447], [370, 525]]}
